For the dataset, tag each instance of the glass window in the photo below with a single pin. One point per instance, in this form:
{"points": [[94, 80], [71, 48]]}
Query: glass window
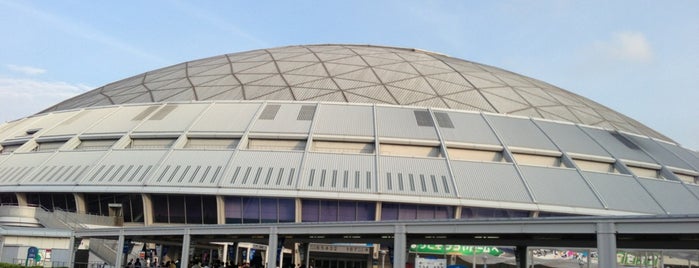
{"points": [[251, 210], [160, 208], [193, 205], [269, 210], [328, 210], [389, 211], [310, 210], [209, 209], [366, 211], [347, 211], [287, 210], [475, 213], [407, 211], [8, 198], [176, 208], [234, 209]]}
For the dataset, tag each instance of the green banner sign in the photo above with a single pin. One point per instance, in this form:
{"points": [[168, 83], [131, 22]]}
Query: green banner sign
{"points": [[453, 250]]}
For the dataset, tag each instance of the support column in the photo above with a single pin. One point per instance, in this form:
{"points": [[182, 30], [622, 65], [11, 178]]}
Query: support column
{"points": [[224, 258], [119, 262], [399, 247], [272, 248], [521, 256], [606, 244], [184, 259]]}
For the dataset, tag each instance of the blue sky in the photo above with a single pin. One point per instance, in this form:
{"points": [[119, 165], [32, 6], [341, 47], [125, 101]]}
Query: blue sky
{"points": [[640, 58]]}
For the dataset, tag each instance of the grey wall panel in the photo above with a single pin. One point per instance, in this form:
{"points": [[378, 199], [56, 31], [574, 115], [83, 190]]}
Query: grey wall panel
{"points": [[285, 121], [263, 170], [42, 123], [20, 166], [65, 168], [226, 117], [123, 120], [688, 156], [520, 133], [571, 139], [172, 117], [489, 181], [80, 122], [468, 128], [673, 196], [401, 123], [350, 120], [617, 146], [196, 168], [415, 176], [559, 186], [623, 192], [124, 167], [339, 173], [658, 152], [694, 188], [18, 128]]}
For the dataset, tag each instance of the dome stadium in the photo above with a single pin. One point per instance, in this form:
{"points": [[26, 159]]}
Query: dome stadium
{"points": [[337, 134]]}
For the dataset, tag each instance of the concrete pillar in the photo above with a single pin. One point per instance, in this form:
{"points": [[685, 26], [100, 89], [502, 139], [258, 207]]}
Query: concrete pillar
{"points": [[224, 258], [21, 199], [606, 244], [119, 262], [220, 210], [399, 247], [272, 248], [521, 256], [80, 204], [184, 259], [147, 209]]}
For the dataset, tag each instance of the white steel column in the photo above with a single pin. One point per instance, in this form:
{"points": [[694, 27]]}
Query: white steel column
{"points": [[119, 262], [186, 240], [606, 244], [399, 247], [272, 248]]}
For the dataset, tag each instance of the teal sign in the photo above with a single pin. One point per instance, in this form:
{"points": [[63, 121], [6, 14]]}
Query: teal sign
{"points": [[453, 250]]}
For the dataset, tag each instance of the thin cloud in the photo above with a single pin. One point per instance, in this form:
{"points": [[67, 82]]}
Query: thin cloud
{"points": [[79, 30], [27, 70], [627, 46], [23, 97]]}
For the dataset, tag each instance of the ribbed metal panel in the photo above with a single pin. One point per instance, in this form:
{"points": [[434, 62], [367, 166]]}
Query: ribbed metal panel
{"points": [[79, 122], [571, 139], [172, 118], [469, 128], [401, 123], [489, 181], [520, 133], [263, 170], [20, 167], [43, 123], [350, 120], [559, 186], [685, 154], [124, 167], [622, 192], [694, 188], [660, 154], [673, 196], [197, 168], [617, 146], [226, 117], [415, 176], [67, 167], [284, 122], [339, 173], [125, 119]]}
